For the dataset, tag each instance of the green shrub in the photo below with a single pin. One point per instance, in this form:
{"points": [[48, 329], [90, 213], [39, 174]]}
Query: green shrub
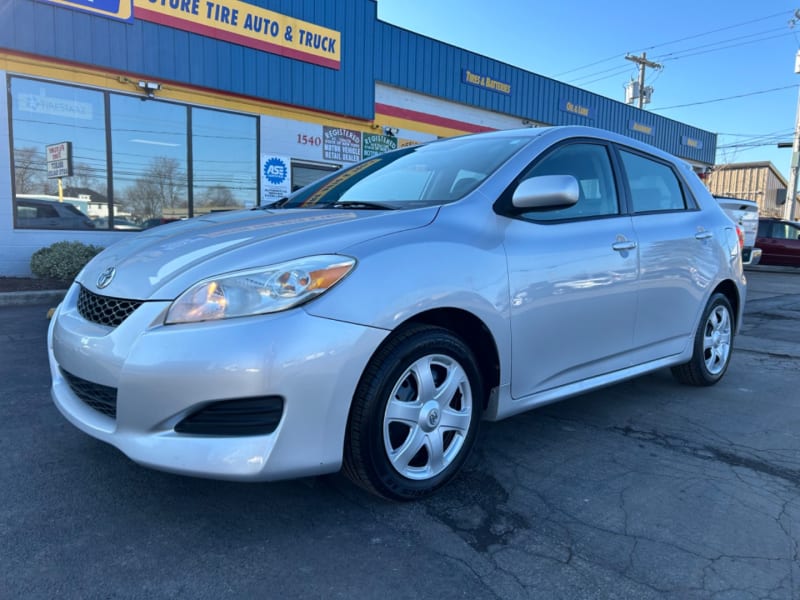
{"points": [[62, 260]]}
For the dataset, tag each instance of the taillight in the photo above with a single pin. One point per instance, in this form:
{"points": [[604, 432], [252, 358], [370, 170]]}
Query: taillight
{"points": [[740, 233]]}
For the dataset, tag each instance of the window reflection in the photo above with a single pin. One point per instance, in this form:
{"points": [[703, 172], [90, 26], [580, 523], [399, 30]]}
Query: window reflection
{"points": [[148, 140], [46, 113], [225, 161], [149, 159]]}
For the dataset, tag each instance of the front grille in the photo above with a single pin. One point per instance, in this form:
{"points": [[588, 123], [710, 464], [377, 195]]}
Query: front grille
{"points": [[99, 397], [104, 309], [243, 416]]}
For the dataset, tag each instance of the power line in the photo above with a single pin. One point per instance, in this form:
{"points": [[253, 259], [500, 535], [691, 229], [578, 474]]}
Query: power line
{"points": [[763, 39], [786, 87], [617, 71], [670, 57], [683, 39], [770, 138], [748, 135], [753, 145], [733, 39]]}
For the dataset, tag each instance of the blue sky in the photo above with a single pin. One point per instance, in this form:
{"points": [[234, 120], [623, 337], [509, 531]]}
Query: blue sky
{"points": [[733, 48]]}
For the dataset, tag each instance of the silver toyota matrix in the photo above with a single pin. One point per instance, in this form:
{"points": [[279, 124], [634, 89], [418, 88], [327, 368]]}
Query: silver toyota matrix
{"points": [[371, 320]]}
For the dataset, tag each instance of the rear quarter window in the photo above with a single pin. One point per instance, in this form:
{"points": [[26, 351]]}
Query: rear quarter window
{"points": [[654, 185]]}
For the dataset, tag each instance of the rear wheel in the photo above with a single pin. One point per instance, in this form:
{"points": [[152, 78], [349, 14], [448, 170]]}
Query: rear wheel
{"points": [[415, 414], [713, 343]]}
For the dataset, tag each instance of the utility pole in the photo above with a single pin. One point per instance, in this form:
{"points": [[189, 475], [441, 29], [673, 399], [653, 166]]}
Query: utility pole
{"points": [[791, 189], [643, 64]]}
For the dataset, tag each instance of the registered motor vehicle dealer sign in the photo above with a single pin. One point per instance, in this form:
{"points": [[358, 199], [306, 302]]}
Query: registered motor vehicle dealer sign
{"points": [[59, 160]]}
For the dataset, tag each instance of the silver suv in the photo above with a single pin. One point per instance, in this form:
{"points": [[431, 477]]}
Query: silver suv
{"points": [[373, 319], [43, 213]]}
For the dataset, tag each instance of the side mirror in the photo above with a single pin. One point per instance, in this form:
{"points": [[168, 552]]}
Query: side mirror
{"points": [[546, 191]]}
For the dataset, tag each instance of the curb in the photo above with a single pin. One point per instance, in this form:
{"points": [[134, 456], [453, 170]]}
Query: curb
{"points": [[772, 268], [52, 297]]}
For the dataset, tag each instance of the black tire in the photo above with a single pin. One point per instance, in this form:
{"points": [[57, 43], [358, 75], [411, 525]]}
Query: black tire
{"points": [[404, 442], [713, 345]]}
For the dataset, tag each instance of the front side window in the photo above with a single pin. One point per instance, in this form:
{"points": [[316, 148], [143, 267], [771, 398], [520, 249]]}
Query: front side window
{"points": [[46, 114], [654, 185], [591, 166]]}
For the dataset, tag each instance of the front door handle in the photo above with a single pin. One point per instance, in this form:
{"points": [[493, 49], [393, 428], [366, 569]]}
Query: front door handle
{"points": [[622, 246]]}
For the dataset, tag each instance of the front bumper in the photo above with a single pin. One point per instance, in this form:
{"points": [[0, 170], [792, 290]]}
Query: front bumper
{"points": [[163, 373]]}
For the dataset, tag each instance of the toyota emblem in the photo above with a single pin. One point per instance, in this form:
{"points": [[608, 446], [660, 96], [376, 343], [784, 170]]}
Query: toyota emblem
{"points": [[106, 277]]}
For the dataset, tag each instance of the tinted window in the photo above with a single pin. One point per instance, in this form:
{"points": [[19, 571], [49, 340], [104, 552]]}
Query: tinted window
{"points": [[784, 231], [654, 186], [590, 165]]}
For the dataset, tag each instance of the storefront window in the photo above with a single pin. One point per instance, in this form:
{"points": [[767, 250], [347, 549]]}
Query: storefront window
{"points": [[149, 148], [165, 161], [304, 173], [224, 161], [47, 114]]}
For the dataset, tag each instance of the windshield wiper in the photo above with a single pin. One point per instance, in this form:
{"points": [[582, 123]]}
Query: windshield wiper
{"points": [[360, 204], [276, 204]]}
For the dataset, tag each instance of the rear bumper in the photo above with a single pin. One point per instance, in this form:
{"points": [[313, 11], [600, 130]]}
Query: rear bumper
{"points": [[751, 256]]}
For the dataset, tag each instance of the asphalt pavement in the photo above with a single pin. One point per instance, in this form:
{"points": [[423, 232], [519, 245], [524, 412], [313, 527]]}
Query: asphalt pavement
{"points": [[648, 489]]}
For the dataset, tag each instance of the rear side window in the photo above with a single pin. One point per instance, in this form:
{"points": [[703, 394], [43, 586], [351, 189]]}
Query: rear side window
{"points": [[26, 210], [781, 231], [654, 185]]}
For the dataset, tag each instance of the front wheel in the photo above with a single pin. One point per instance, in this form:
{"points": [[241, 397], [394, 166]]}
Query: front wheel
{"points": [[713, 343], [415, 414]]}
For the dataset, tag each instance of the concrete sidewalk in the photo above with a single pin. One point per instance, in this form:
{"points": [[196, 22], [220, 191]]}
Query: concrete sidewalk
{"points": [[51, 297]]}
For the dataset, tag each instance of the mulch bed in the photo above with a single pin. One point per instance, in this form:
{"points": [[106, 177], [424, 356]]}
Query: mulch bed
{"points": [[31, 284]]}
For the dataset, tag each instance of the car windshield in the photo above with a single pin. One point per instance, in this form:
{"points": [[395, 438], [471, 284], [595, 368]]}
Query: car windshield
{"points": [[411, 177]]}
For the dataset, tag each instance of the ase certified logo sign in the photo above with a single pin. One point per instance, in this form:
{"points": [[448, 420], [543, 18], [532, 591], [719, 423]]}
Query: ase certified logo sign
{"points": [[276, 171]]}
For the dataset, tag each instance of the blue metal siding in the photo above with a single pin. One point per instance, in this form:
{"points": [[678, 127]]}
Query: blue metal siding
{"points": [[371, 51], [164, 54], [532, 97]]}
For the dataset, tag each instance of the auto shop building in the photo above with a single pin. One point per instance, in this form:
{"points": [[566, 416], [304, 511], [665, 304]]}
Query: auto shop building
{"points": [[138, 112]]}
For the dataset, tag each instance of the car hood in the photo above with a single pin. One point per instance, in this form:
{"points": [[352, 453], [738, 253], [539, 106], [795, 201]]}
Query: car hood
{"points": [[161, 263]]}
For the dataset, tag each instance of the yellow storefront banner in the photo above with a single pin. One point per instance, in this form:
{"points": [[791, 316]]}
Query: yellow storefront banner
{"points": [[247, 25]]}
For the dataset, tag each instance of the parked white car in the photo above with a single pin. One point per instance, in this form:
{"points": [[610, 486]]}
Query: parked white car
{"points": [[371, 320]]}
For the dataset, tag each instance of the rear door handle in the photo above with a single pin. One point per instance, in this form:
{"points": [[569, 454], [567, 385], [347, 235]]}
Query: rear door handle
{"points": [[703, 235], [624, 245]]}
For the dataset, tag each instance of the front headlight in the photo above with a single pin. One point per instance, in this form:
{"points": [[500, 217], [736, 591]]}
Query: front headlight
{"points": [[258, 291]]}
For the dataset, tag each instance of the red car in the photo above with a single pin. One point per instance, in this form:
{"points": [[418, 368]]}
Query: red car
{"points": [[779, 241]]}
